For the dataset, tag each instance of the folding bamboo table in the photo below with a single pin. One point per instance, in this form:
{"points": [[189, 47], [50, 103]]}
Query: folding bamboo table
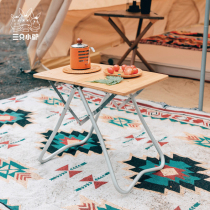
{"points": [[153, 17], [131, 87]]}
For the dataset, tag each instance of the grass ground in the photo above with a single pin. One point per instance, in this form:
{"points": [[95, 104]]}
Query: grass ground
{"points": [[13, 56]]}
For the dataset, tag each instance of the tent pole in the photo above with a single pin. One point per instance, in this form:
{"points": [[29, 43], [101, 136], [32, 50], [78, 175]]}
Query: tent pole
{"points": [[204, 52]]}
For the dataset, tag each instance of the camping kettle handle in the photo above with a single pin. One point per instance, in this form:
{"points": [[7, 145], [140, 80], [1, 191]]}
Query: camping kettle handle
{"points": [[89, 55], [92, 49]]}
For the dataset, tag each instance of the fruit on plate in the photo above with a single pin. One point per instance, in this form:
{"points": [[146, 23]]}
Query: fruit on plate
{"points": [[128, 71], [132, 66], [128, 67], [123, 67], [116, 68], [135, 71], [110, 70]]}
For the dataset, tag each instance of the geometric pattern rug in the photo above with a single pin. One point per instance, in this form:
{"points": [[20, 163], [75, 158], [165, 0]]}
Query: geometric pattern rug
{"points": [[78, 178]]}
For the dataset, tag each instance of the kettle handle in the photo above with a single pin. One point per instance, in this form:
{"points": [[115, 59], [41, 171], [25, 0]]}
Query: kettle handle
{"points": [[92, 49], [89, 55]]}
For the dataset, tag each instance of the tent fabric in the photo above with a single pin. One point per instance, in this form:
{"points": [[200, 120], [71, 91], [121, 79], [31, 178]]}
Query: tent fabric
{"points": [[38, 6], [177, 18], [8, 7], [93, 4], [54, 28], [51, 26], [12, 7], [42, 7], [65, 20], [81, 22]]}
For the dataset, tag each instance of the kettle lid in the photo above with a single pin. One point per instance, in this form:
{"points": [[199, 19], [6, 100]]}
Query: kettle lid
{"points": [[79, 44]]}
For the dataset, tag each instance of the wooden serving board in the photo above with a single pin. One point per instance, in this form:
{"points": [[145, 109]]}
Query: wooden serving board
{"points": [[94, 68], [120, 73]]}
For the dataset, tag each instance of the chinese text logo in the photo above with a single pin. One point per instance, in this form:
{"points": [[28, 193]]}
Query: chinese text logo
{"points": [[25, 22]]}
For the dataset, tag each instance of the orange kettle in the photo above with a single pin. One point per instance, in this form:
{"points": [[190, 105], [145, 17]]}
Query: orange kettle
{"points": [[80, 55]]}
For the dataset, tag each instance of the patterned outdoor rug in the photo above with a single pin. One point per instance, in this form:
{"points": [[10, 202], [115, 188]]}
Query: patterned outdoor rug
{"points": [[79, 178]]}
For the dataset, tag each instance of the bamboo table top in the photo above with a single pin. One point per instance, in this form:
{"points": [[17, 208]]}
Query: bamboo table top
{"points": [[126, 87], [125, 14]]}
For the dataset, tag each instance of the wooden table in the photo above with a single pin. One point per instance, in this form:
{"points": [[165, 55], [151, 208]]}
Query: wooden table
{"points": [[153, 17], [128, 86]]}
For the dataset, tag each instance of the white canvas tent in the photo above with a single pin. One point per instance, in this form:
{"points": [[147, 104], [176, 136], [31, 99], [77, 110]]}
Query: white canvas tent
{"points": [[64, 20], [81, 22], [8, 7]]}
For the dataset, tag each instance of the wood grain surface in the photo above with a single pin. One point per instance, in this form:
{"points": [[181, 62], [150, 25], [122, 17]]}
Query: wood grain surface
{"points": [[69, 70], [124, 88]]}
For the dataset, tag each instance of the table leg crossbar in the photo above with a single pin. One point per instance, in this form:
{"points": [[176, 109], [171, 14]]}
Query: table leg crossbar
{"points": [[127, 100], [62, 99], [81, 122], [103, 104], [95, 127]]}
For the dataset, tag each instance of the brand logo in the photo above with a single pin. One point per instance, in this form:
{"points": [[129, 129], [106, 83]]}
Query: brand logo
{"points": [[25, 22]]}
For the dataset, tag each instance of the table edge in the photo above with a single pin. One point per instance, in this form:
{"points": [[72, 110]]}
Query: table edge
{"points": [[123, 16], [98, 88]]}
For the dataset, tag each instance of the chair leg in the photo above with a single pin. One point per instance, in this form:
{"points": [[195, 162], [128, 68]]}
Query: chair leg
{"points": [[120, 190]]}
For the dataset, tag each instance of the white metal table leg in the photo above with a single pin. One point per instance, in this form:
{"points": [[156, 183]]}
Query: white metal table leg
{"points": [[64, 102], [127, 100], [106, 153], [58, 126]]}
